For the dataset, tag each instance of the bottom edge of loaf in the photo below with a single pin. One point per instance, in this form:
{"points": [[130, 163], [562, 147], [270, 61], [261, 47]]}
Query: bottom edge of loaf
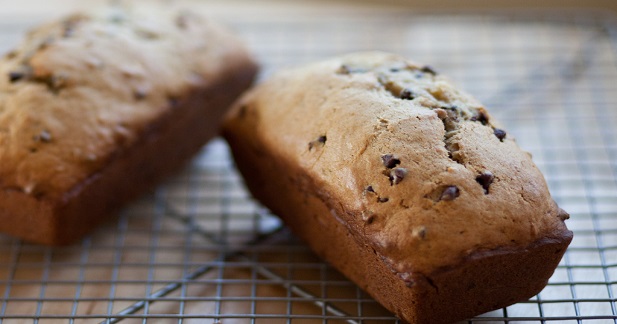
{"points": [[165, 146], [485, 281]]}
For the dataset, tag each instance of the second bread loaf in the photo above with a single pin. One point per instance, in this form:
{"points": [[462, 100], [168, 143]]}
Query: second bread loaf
{"points": [[96, 108]]}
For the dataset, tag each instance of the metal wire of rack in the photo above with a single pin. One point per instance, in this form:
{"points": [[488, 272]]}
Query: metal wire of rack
{"points": [[199, 249]]}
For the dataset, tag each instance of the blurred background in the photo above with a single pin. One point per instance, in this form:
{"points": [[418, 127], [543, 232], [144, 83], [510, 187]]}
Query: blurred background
{"points": [[473, 5], [488, 4], [200, 249]]}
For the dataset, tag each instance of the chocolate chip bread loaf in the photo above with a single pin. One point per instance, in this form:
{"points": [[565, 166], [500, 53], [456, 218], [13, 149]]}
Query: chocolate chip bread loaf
{"points": [[402, 182], [95, 108]]}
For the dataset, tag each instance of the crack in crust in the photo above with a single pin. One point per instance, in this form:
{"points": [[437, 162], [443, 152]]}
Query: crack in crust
{"points": [[423, 87], [417, 84]]}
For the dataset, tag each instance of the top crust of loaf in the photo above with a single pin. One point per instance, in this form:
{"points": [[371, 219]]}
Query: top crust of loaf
{"points": [[413, 167], [124, 68]]}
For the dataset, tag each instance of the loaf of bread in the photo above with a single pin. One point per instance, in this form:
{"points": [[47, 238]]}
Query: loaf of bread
{"points": [[402, 182], [96, 108]]}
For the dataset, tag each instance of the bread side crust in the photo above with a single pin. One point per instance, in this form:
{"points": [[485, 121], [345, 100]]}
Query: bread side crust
{"points": [[163, 147], [484, 281]]}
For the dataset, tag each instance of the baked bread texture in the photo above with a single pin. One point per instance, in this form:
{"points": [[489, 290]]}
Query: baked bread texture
{"points": [[96, 108], [402, 182]]}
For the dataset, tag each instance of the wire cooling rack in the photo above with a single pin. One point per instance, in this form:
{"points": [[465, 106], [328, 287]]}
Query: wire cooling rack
{"points": [[200, 250]]}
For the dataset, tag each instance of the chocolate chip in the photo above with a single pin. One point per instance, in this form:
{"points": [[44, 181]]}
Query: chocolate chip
{"points": [[182, 21], [54, 83], [369, 189], [485, 179], [57, 82], [344, 69], [419, 231], [428, 69], [69, 28], [242, 111], [11, 55], [16, 76], [450, 193], [68, 31], [146, 34], [347, 69], [139, 94], [407, 94], [44, 137], [500, 133], [397, 175], [480, 117], [117, 18], [46, 43], [382, 200], [173, 101], [389, 161], [370, 219], [321, 140]]}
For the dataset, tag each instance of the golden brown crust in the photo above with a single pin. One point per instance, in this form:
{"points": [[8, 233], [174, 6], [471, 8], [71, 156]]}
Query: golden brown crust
{"points": [[433, 195], [103, 110]]}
